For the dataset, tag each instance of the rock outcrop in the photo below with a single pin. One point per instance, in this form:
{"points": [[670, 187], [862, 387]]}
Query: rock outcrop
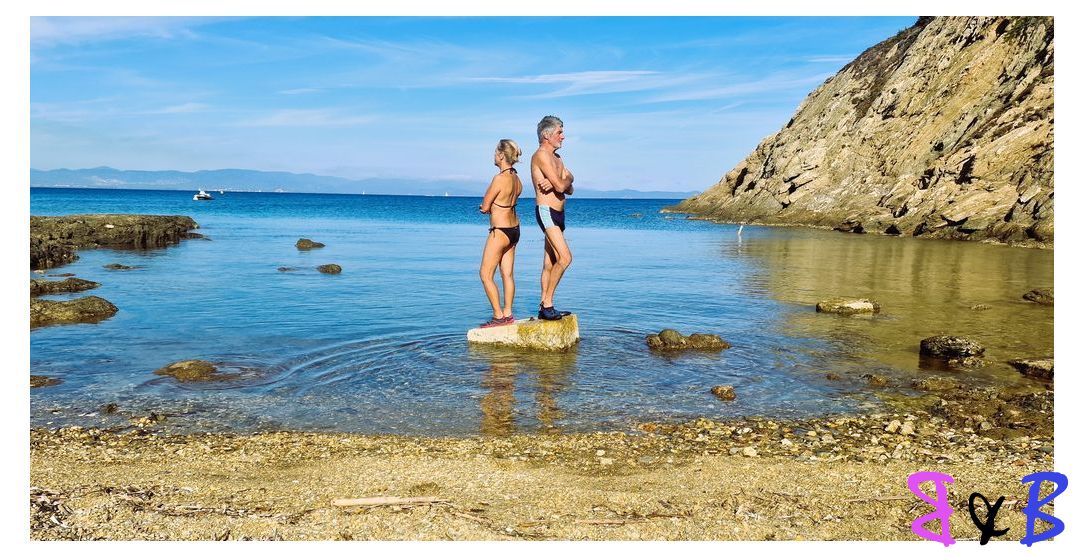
{"points": [[307, 244], [848, 306], [1042, 296], [1040, 368], [670, 339], [724, 392], [954, 351], [945, 130], [38, 381], [534, 334], [53, 240], [187, 371], [89, 309], [40, 287]]}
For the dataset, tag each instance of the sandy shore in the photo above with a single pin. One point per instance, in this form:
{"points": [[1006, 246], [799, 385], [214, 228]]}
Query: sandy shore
{"points": [[834, 478]]}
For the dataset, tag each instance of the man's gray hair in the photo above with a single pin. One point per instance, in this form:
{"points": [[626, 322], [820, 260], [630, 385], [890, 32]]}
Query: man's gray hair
{"points": [[547, 126]]}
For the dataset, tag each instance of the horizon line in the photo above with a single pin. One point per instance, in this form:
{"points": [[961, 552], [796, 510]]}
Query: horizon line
{"points": [[228, 190]]}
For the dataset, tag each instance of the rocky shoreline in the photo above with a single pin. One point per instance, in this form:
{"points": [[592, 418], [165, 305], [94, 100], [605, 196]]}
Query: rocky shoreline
{"points": [[54, 241], [832, 478]]}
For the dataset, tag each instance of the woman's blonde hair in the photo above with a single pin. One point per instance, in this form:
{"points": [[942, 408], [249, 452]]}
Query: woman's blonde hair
{"points": [[510, 149]]}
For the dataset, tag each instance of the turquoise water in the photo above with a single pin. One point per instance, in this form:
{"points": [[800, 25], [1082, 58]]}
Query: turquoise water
{"points": [[381, 347]]}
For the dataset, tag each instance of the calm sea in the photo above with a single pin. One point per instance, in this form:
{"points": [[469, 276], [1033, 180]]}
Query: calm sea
{"points": [[381, 348]]}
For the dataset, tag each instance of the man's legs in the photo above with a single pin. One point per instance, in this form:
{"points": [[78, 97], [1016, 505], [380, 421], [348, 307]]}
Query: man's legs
{"points": [[558, 250], [549, 257]]}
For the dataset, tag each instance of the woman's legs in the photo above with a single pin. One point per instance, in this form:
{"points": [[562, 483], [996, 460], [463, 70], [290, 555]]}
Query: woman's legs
{"points": [[491, 257], [507, 282]]}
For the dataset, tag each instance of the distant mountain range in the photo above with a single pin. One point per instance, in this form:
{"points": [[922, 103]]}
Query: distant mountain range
{"points": [[257, 180]]}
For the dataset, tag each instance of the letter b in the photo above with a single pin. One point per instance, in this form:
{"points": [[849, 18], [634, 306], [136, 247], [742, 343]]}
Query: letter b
{"points": [[1032, 509], [942, 509]]}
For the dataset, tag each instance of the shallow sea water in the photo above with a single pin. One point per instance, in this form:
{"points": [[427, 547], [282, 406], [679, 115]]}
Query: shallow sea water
{"points": [[381, 348]]}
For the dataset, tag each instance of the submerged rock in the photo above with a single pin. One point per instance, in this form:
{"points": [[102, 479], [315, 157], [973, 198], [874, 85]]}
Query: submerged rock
{"points": [[535, 334], [875, 380], [287, 269], [937, 384], [670, 339], [40, 287], [89, 309], [53, 240], [118, 267], [37, 381], [701, 341], [848, 306], [1040, 368], [724, 392], [1043, 296], [950, 347], [330, 269], [191, 370], [307, 244], [147, 421], [949, 352]]}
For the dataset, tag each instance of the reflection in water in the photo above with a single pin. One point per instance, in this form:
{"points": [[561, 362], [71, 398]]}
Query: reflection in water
{"points": [[548, 372], [925, 287]]}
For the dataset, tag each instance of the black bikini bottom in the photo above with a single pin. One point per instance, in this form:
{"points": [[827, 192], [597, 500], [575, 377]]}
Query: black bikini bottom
{"points": [[512, 232]]}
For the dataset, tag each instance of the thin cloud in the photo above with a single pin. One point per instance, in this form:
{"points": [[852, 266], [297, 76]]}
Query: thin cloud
{"points": [[181, 109], [305, 118], [580, 78], [832, 59], [98, 110], [429, 51], [743, 89], [49, 31], [301, 91], [594, 82]]}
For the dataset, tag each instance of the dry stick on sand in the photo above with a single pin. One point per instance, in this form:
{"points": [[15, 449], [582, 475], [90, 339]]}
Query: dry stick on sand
{"points": [[888, 498], [386, 501]]}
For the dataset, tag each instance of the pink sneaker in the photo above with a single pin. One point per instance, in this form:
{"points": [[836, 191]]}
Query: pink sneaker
{"points": [[495, 322]]}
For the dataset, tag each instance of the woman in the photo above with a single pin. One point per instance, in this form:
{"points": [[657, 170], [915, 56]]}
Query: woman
{"points": [[500, 250]]}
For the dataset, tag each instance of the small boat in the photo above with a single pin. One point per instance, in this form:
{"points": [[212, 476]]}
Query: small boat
{"points": [[202, 196]]}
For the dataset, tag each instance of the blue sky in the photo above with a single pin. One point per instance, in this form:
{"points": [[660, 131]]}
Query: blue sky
{"points": [[657, 103]]}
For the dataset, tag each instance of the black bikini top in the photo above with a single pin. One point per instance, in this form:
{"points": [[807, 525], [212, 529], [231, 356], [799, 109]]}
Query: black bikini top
{"points": [[514, 202]]}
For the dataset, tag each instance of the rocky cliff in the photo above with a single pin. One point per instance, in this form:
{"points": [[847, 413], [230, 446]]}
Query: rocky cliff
{"points": [[944, 130]]}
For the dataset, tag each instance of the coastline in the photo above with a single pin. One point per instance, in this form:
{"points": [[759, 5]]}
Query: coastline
{"points": [[837, 477], [831, 478], [1031, 244]]}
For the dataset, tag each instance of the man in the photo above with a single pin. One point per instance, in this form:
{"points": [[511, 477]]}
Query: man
{"points": [[553, 182]]}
